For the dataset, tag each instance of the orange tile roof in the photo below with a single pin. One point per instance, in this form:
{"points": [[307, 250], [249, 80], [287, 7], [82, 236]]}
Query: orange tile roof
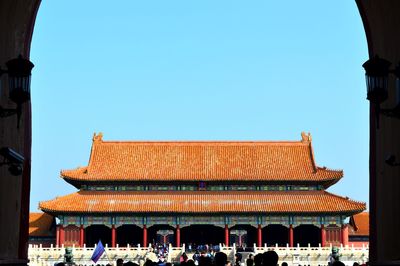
{"points": [[360, 224], [202, 161], [202, 202], [40, 224]]}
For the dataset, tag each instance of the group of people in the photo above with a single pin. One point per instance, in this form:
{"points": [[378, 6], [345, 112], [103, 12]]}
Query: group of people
{"points": [[202, 248], [268, 258]]}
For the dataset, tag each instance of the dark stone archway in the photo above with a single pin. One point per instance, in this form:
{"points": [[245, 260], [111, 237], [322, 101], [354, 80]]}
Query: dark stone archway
{"points": [[129, 234], [161, 234], [307, 234], [243, 235], [94, 233], [275, 234], [202, 234], [17, 20]]}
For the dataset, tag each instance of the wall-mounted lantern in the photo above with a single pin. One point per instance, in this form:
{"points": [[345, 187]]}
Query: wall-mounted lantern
{"points": [[13, 159], [376, 74], [19, 77]]}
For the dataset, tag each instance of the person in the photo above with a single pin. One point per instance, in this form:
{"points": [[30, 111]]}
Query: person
{"points": [[205, 261], [338, 263], [190, 263], [129, 263], [250, 260], [120, 262], [238, 259], [258, 259], [270, 258], [161, 261], [148, 262], [196, 257], [183, 257], [284, 264], [220, 259]]}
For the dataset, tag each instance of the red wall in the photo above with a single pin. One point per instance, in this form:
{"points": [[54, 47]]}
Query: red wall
{"points": [[71, 235]]}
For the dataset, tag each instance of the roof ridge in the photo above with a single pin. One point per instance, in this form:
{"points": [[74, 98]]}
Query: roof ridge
{"points": [[329, 169], [305, 139]]}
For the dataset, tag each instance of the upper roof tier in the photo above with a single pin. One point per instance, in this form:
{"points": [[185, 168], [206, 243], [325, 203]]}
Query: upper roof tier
{"points": [[220, 161]]}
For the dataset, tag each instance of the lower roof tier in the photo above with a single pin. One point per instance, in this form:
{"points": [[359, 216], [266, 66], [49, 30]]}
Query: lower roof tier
{"points": [[200, 202]]}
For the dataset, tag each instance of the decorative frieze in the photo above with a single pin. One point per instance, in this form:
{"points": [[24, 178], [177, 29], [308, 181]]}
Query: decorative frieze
{"points": [[208, 187], [152, 220], [186, 220], [74, 220], [283, 220], [299, 220], [91, 220], [243, 219], [121, 220], [327, 220]]}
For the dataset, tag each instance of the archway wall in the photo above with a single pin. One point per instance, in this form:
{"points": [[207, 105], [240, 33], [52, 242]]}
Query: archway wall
{"points": [[17, 20], [94, 233], [201, 234], [306, 234], [129, 234], [382, 23], [275, 234], [243, 235], [153, 234]]}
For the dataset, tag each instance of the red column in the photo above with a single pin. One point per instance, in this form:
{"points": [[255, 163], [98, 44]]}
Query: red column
{"points": [[62, 235], [291, 238], [259, 236], [345, 235], [178, 236], [81, 236], [323, 235], [226, 235], [113, 236], [58, 235], [144, 236]]}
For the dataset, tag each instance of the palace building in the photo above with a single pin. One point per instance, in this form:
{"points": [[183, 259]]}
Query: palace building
{"points": [[202, 192]]}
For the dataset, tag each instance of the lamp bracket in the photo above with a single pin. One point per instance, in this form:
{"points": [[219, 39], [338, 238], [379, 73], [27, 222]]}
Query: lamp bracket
{"points": [[4, 112], [391, 112]]}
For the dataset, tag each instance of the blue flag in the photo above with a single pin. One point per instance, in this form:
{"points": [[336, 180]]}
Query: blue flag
{"points": [[98, 251]]}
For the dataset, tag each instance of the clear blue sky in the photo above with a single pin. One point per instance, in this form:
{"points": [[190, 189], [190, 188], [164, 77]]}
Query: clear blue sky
{"points": [[198, 70]]}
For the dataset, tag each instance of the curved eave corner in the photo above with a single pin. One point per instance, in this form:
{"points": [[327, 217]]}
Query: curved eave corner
{"points": [[330, 181], [74, 177], [359, 206]]}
